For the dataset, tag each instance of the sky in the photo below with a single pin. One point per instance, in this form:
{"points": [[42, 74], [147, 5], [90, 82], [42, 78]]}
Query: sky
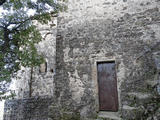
{"points": [[29, 12]]}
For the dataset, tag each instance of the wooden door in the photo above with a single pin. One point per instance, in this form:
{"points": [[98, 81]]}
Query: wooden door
{"points": [[107, 82]]}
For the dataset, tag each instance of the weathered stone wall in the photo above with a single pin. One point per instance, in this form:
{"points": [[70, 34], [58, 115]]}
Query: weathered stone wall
{"points": [[1, 110], [43, 76], [27, 109], [126, 31]]}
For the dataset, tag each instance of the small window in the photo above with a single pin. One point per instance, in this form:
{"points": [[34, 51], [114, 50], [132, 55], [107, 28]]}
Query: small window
{"points": [[43, 68]]}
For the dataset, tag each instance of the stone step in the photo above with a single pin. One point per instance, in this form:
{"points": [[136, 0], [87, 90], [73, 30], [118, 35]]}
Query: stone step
{"points": [[108, 116]]}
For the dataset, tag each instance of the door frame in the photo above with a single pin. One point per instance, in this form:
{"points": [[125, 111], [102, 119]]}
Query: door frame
{"points": [[94, 62]]}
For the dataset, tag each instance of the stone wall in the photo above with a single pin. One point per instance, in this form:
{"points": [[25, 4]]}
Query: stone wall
{"points": [[126, 31], [42, 76], [1, 110], [121, 30], [27, 109]]}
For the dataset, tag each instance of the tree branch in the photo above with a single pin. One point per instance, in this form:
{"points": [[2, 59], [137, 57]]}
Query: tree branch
{"points": [[2, 27], [2, 2], [30, 83], [35, 17]]}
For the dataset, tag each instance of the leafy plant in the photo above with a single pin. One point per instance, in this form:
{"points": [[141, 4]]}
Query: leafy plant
{"points": [[18, 36]]}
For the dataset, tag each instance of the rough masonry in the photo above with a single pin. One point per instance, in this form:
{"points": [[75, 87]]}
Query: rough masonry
{"points": [[126, 31]]}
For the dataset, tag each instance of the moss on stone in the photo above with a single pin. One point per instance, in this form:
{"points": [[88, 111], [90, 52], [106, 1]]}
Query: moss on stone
{"points": [[70, 116]]}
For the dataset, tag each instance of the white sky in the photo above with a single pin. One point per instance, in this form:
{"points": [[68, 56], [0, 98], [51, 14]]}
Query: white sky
{"points": [[30, 12]]}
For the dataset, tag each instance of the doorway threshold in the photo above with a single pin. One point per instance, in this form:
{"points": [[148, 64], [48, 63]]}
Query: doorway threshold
{"points": [[109, 115]]}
